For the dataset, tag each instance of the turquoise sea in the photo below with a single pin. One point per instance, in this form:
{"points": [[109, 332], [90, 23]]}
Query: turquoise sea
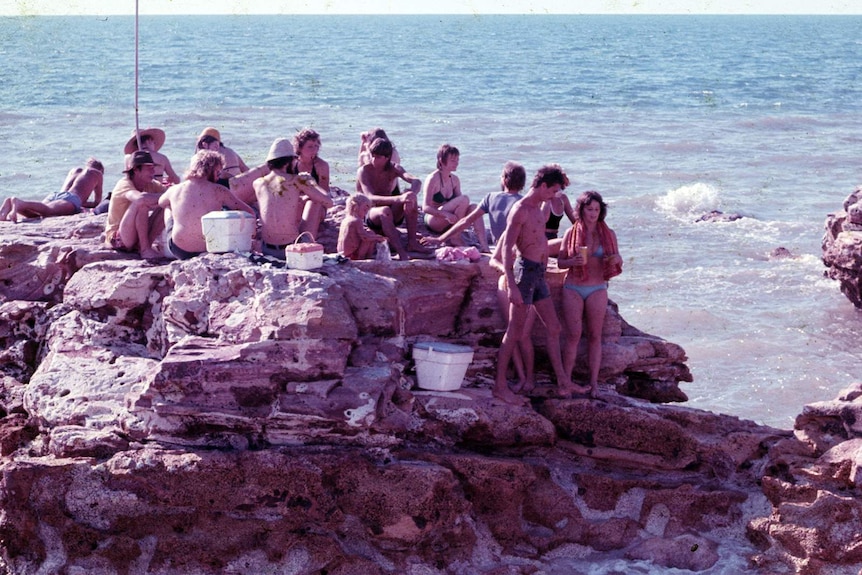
{"points": [[667, 116]]}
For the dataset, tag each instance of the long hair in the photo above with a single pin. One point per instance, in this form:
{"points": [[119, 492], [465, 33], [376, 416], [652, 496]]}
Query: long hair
{"points": [[591, 196], [205, 165]]}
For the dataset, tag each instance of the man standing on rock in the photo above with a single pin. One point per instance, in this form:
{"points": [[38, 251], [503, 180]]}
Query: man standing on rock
{"points": [[525, 280]]}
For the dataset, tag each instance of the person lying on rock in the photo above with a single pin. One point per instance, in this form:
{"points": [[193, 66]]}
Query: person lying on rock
{"points": [[80, 183], [355, 240], [134, 216], [198, 195], [281, 197]]}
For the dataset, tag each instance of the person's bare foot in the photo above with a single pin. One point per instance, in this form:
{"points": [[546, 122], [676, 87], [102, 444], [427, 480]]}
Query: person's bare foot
{"points": [[416, 246], [594, 391], [567, 391], [524, 387], [503, 393], [150, 254], [13, 213], [5, 209]]}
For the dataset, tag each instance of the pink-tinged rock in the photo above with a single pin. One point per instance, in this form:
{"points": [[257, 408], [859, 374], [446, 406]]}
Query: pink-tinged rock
{"points": [[690, 552], [298, 511], [86, 373], [842, 248], [37, 257], [473, 417], [228, 297]]}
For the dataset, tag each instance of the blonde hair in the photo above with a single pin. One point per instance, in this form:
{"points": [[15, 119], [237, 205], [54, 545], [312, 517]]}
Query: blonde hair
{"points": [[355, 202], [205, 164]]}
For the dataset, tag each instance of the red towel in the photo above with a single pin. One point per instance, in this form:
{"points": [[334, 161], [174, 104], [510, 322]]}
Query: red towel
{"points": [[609, 246]]}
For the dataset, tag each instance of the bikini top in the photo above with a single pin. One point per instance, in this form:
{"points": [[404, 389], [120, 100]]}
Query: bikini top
{"points": [[313, 169], [438, 197]]}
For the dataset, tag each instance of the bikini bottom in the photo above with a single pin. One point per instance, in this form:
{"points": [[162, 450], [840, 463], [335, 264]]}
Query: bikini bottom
{"points": [[585, 291]]}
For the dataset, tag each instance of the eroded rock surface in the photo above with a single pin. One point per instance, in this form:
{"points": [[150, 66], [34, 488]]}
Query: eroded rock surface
{"points": [[222, 416]]}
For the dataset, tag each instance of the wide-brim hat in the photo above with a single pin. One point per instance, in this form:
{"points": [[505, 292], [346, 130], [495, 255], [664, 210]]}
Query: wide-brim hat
{"points": [[281, 148], [156, 134], [137, 158], [210, 131]]}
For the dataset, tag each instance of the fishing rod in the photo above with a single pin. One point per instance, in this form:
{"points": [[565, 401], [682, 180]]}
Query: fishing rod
{"points": [[137, 123]]}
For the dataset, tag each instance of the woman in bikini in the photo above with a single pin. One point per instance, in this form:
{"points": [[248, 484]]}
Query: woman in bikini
{"points": [[589, 251], [444, 203]]}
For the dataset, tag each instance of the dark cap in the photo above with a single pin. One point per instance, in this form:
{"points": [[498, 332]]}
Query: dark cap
{"points": [[139, 158]]}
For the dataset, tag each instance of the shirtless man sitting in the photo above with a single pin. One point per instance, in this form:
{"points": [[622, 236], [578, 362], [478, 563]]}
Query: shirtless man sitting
{"points": [[525, 281], [281, 197], [376, 180], [134, 216], [199, 194], [152, 139], [75, 194]]}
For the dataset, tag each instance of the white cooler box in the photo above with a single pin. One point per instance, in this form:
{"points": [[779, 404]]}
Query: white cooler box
{"points": [[228, 231], [441, 366]]}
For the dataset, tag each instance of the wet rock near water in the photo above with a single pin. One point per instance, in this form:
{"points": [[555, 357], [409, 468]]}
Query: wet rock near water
{"points": [[220, 415], [842, 247]]}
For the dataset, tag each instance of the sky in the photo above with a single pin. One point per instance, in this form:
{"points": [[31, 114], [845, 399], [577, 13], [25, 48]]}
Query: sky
{"points": [[148, 7]]}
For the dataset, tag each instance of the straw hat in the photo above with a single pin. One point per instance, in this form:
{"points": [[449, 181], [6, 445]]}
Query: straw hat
{"points": [[156, 134], [210, 131], [281, 148]]}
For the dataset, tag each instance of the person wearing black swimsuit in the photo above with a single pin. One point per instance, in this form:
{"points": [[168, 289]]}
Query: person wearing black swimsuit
{"points": [[444, 203]]}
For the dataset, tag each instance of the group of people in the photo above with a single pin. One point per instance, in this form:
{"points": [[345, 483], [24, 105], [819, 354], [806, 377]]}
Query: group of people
{"points": [[290, 192]]}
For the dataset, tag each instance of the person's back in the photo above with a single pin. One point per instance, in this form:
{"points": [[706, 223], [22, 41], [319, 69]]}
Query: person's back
{"points": [[280, 202], [190, 200], [198, 195], [86, 181], [497, 205]]}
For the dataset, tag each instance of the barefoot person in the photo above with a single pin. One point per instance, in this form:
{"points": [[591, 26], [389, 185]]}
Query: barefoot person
{"points": [[280, 198], [525, 281], [198, 195], [355, 241], [134, 216], [75, 194], [306, 144], [589, 251], [444, 204], [377, 180]]}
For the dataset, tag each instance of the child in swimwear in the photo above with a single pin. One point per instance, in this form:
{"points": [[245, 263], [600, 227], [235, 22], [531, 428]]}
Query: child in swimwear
{"points": [[355, 241]]}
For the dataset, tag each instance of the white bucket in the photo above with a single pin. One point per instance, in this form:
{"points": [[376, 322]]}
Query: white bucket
{"points": [[228, 231], [441, 366]]}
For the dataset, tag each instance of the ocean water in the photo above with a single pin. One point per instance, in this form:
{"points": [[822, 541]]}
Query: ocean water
{"points": [[668, 117]]}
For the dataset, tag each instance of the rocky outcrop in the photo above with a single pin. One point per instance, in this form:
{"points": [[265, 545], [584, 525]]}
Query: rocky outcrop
{"points": [[224, 415], [842, 247]]}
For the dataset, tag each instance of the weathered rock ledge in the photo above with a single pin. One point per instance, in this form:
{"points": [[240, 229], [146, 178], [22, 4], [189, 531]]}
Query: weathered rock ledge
{"points": [[222, 416], [842, 247]]}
